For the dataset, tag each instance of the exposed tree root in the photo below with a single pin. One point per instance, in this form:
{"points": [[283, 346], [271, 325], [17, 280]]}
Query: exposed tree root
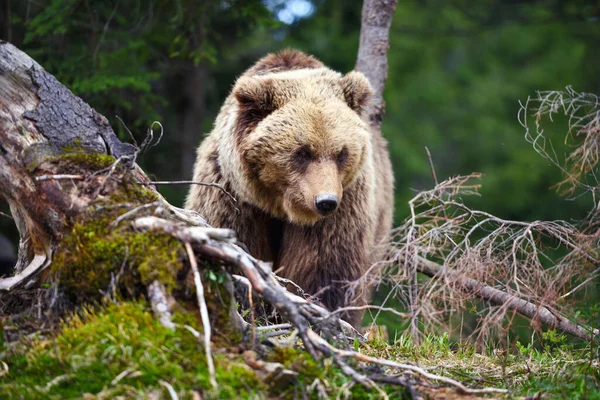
{"points": [[39, 262]]}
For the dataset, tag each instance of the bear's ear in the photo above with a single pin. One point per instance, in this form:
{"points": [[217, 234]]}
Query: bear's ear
{"points": [[357, 91], [255, 98]]}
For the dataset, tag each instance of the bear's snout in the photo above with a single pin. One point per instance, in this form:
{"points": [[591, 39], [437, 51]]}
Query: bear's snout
{"points": [[326, 203]]}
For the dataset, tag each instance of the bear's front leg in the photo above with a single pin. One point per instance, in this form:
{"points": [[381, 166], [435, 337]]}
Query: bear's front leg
{"points": [[324, 258]]}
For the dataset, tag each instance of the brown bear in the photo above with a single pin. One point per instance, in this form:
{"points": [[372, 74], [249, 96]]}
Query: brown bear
{"points": [[313, 182]]}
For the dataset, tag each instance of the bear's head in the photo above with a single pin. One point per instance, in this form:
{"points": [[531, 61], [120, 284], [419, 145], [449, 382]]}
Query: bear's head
{"points": [[301, 139]]}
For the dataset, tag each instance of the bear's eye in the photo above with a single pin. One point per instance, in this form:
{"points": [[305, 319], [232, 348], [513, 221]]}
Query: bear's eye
{"points": [[342, 156], [303, 154]]}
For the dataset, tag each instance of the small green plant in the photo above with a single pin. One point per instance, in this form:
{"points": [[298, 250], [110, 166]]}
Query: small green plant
{"points": [[553, 339]]}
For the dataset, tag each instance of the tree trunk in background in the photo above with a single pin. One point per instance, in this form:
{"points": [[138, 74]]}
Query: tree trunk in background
{"points": [[372, 51], [193, 115]]}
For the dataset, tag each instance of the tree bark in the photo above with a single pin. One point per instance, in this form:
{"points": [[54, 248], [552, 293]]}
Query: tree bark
{"points": [[372, 51], [194, 114], [39, 118]]}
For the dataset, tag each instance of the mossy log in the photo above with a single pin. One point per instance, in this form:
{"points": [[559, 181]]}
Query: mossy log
{"points": [[40, 120]]}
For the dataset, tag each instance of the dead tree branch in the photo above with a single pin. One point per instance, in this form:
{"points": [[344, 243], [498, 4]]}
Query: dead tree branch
{"points": [[473, 254], [203, 314], [583, 133], [497, 297], [301, 313]]}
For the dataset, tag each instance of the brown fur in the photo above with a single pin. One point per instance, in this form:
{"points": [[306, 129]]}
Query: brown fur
{"points": [[291, 130], [285, 60]]}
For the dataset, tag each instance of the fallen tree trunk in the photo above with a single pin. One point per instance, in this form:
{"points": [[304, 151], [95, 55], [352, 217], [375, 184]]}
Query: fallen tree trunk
{"points": [[499, 298], [39, 118]]}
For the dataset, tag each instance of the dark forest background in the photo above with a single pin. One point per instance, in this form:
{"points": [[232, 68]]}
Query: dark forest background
{"points": [[457, 72]]}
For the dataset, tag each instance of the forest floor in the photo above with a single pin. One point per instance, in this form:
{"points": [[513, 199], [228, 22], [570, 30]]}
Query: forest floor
{"points": [[120, 350]]}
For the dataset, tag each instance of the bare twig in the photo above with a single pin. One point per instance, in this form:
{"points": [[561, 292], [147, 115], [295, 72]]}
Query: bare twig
{"points": [[593, 275], [203, 314], [111, 170], [433, 174], [150, 136], [209, 184], [411, 271], [59, 177], [128, 131], [162, 131]]}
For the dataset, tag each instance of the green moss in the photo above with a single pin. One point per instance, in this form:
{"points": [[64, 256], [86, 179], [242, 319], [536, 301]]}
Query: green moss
{"points": [[76, 153], [132, 192], [93, 161], [122, 350], [122, 340], [95, 252]]}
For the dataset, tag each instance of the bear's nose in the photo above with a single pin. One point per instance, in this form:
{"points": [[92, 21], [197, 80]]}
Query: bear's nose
{"points": [[326, 203]]}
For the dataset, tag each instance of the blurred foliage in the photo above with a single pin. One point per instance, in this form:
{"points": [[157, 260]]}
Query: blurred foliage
{"points": [[115, 54], [458, 93]]}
